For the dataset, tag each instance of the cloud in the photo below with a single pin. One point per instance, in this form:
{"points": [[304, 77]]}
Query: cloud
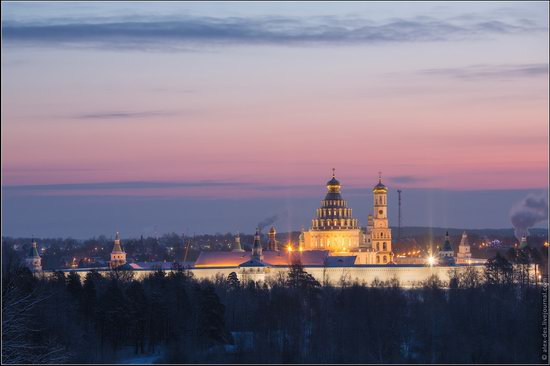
{"points": [[183, 33], [495, 72], [123, 185], [405, 179], [122, 115]]}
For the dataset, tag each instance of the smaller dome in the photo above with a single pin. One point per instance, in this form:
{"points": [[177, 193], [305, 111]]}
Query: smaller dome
{"points": [[380, 186], [333, 182], [333, 185], [272, 230]]}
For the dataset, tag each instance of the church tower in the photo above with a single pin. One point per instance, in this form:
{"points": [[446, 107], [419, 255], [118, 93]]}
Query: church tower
{"points": [[381, 232], [464, 255], [523, 242], [446, 254], [334, 227], [118, 256], [272, 242], [33, 261], [257, 247], [236, 247]]}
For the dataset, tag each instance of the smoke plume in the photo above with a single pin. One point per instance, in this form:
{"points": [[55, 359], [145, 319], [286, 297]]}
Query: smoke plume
{"points": [[527, 213], [270, 220]]}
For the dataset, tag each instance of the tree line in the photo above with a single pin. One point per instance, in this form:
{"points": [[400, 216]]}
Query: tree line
{"points": [[489, 317]]}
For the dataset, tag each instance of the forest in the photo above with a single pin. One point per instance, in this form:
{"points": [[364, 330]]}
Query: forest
{"points": [[490, 317]]}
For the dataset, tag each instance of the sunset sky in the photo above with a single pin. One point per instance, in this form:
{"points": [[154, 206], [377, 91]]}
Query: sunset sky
{"points": [[209, 117]]}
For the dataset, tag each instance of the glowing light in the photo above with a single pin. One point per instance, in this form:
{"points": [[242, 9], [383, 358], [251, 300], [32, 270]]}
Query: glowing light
{"points": [[301, 249], [546, 244], [431, 260], [289, 248]]}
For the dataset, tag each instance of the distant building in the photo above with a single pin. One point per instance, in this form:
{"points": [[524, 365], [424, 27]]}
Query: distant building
{"points": [[118, 256], [236, 247], [464, 256], [334, 228], [523, 242], [272, 242], [257, 247], [380, 233], [446, 256], [33, 260]]}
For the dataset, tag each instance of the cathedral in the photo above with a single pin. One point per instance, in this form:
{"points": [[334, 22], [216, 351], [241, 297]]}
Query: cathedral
{"points": [[335, 229]]}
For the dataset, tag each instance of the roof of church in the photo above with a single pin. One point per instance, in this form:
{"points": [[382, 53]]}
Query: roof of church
{"points": [[116, 247], [447, 244], [158, 265], [333, 182], [33, 252], [272, 258], [253, 263], [380, 186], [341, 261]]}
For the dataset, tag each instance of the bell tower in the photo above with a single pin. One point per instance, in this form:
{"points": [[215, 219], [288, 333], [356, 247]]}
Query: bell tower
{"points": [[118, 255], [33, 260], [381, 232]]}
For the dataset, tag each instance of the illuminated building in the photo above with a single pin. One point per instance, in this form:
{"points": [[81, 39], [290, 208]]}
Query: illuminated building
{"points": [[33, 260], [118, 256], [446, 254], [379, 234], [272, 242], [335, 229], [464, 256], [236, 247]]}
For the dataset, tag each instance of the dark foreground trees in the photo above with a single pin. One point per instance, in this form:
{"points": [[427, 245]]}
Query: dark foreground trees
{"points": [[98, 318]]}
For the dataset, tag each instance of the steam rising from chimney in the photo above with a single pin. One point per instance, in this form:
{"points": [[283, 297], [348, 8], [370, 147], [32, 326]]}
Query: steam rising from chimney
{"points": [[527, 213], [270, 220]]}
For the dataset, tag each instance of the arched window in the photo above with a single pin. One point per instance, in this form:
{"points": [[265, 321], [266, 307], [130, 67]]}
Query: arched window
{"points": [[384, 246], [385, 259], [377, 259]]}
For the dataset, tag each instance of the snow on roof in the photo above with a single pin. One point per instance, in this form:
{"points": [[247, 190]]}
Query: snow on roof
{"points": [[272, 258], [341, 261], [253, 263], [159, 265]]}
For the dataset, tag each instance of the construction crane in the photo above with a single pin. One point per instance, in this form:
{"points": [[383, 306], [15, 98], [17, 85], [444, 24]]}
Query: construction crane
{"points": [[399, 216]]}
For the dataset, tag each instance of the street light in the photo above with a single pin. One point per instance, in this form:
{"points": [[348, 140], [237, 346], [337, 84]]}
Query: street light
{"points": [[431, 260]]}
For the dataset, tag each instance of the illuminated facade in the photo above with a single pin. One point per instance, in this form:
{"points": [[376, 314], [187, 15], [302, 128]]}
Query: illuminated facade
{"points": [[446, 253], [464, 256], [118, 256], [378, 230], [335, 229]]}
